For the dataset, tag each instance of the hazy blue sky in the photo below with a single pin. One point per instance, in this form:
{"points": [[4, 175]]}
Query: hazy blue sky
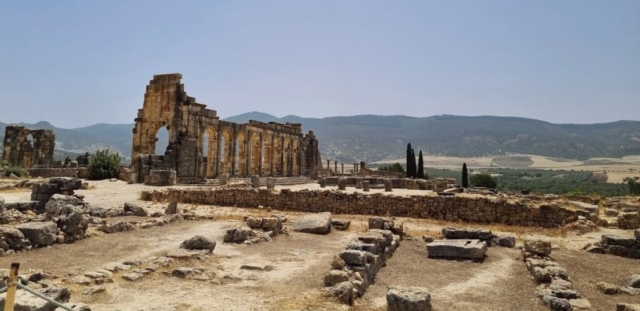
{"points": [[76, 63]]}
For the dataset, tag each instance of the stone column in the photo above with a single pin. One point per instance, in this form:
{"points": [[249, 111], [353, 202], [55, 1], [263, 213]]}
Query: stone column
{"points": [[270, 183], [218, 152], [329, 166], [255, 182], [234, 141], [387, 185], [342, 183], [260, 155], [358, 183], [342, 168], [365, 185], [335, 170], [323, 182]]}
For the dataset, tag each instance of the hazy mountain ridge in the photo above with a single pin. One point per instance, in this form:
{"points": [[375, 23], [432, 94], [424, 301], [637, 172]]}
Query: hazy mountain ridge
{"points": [[371, 137]]}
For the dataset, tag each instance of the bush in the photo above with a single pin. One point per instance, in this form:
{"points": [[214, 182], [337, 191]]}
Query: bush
{"points": [[483, 180], [396, 168], [15, 170], [83, 159], [103, 165]]}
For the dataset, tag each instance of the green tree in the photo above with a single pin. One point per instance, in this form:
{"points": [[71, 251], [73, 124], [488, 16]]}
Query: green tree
{"points": [[414, 165], [395, 167], [409, 161], [420, 166], [83, 159], [483, 180], [104, 165], [465, 176], [634, 185]]}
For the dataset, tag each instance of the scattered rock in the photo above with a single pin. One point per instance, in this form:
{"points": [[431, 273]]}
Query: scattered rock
{"points": [[319, 223], [627, 307], [172, 208], [133, 276], [635, 281], [559, 304], [183, 254], [408, 299], [39, 233], [135, 210], [428, 239], [334, 277], [81, 280], [580, 304], [507, 241], [199, 242], [337, 263], [538, 247], [595, 249], [608, 288], [93, 290], [182, 272], [342, 225], [344, 292], [12, 238], [116, 227], [25, 301], [541, 275], [256, 266]]}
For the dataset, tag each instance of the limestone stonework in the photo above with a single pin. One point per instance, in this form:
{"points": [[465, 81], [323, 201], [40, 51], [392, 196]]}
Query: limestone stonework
{"points": [[477, 210], [240, 150], [20, 151]]}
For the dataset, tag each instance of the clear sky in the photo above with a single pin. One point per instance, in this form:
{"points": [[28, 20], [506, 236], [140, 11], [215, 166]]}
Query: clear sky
{"points": [[76, 63]]}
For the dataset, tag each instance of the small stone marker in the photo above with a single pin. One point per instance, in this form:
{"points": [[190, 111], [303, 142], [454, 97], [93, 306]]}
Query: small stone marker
{"points": [[387, 185], [271, 184], [323, 182], [365, 185], [342, 183], [255, 182], [358, 183], [223, 179], [408, 298]]}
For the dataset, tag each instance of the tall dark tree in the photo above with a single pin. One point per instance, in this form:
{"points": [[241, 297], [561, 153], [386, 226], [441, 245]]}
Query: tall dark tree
{"points": [[414, 166], [465, 176], [409, 160], [420, 166]]}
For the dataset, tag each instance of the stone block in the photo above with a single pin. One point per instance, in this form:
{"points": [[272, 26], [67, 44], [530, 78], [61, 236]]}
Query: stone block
{"points": [[538, 247], [408, 299], [342, 183], [365, 185], [387, 185], [271, 184], [465, 249], [319, 223]]}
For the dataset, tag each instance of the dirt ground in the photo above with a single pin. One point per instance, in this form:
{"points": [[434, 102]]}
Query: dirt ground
{"points": [[300, 261]]}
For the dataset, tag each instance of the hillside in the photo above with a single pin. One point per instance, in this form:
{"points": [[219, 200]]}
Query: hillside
{"points": [[372, 138]]}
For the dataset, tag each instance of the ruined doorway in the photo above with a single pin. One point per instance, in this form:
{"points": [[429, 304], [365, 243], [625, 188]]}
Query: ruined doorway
{"points": [[162, 140]]}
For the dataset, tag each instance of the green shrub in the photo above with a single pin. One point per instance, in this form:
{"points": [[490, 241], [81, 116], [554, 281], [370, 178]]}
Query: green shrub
{"points": [[395, 167], [483, 180], [15, 170], [103, 165]]}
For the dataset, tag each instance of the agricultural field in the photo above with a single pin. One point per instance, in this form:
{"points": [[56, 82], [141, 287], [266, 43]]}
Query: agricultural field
{"points": [[616, 169]]}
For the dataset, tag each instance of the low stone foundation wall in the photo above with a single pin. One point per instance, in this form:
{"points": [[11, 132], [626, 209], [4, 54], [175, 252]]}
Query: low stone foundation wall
{"points": [[438, 184], [161, 178], [477, 210], [80, 172]]}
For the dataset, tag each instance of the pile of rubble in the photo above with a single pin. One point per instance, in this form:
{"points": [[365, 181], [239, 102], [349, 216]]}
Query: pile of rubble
{"points": [[555, 289], [257, 230], [355, 268], [622, 246]]}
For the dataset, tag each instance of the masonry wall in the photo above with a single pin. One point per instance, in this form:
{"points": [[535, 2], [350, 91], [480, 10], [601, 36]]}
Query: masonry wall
{"points": [[477, 210], [19, 150], [80, 172]]}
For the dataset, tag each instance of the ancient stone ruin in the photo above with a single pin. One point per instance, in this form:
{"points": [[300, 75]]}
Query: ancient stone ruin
{"points": [[202, 146], [28, 148]]}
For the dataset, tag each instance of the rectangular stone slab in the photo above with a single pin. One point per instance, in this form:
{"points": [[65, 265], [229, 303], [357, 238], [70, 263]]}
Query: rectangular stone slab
{"points": [[467, 249]]}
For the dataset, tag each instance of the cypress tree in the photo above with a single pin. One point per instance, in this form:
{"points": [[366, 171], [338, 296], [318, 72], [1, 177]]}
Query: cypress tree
{"points": [[420, 166], [465, 176], [409, 160], [414, 166]]}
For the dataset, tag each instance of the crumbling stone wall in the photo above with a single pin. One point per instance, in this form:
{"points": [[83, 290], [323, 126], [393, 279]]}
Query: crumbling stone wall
{"points": [[241, 150], [80, 172], [437, 184], [20, 151], [477, 210]]}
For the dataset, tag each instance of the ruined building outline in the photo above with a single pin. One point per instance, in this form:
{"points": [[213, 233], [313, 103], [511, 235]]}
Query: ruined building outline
{"points": [[256, 148], [20, 151]]}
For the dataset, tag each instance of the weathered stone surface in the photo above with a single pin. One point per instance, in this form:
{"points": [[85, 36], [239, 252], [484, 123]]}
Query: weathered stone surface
{"points": [[256, 267], [387, 185], [467, 249], [338, 263], [468, 234], [608, 288], [595, 249], [635, 281], [580, 304], [342, 183], [172, 208], [116, 227], [182, 272], [538, 247], [559, 304], [507, 241], [238, 235], [609, 240], [25, 301], [135, 210], [133, 276], [636, 233], [199, 242], [627, 307], [541, 275], [12, 238], [39, 233], [254, 223], [344, 292], [365, 185], [354, 257], [618, 250], [334, 277], [89, 291], [340, 224], [271, 184], [408, 299], [319, 223], [57, 201]]}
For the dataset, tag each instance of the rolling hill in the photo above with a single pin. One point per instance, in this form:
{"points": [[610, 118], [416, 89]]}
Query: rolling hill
{"points": [[372, 138]]}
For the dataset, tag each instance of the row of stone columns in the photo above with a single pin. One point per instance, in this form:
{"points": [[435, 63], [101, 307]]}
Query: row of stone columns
{"points": [[355, 170]]}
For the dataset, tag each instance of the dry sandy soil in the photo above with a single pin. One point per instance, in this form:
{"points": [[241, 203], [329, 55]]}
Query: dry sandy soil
{"points": [[501, 282]]}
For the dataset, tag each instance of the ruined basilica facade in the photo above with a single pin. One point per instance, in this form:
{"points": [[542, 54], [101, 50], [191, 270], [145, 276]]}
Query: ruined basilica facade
{"points": [[28, 148], [202, 146]]}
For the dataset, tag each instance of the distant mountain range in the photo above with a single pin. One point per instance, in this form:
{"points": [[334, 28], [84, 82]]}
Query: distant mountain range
{"points": [[372, 138]]}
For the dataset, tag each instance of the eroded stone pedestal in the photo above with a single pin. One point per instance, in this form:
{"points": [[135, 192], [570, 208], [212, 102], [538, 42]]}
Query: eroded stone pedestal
{"points": [[465, 249]]}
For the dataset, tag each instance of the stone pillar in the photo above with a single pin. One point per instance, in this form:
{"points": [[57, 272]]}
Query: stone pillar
{"points": [[358, 183], [329, 166], [223, 179], [271, 184], [342, 169], [365, 185], [387, 185], [233, 154], [255, 181], [218, 153], [335, 165], [342, 183], [323, 182], [260, 156]]}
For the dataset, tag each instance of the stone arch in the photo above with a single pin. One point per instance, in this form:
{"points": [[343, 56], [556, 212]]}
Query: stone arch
{"points": [[277, 157], [161, 140], [267, 156], [226, 151], [26, 146], [256, 154], [295, 162], [240, 154], [209, 147]]}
